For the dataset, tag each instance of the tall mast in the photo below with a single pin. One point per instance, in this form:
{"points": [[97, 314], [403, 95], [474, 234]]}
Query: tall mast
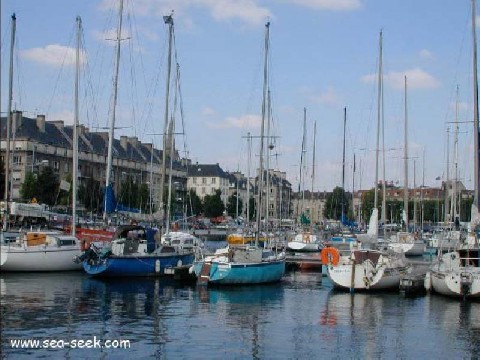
{"points": [[447, 197], [475, 109], [169, 21], [114, 106], [313, 171], [9, 121], [405, 162], [249, 158], [379, 112], [455, 204], [75, 128], [262, 134], [269, 147], [343, 163]]}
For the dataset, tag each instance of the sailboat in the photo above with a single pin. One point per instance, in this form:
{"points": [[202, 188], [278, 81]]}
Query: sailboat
{"points": [[457, 272], [248, 264], [368, 268], [41, 251], [134, 250], [305, 240]]}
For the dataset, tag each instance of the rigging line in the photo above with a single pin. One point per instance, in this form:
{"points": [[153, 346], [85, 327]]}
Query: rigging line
{"points": [[57, 81], [88, 87], [133, 80]]}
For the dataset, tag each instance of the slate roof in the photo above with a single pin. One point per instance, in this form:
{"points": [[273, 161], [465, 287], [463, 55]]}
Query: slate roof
{"points": [[206, 170], [29, 130]]}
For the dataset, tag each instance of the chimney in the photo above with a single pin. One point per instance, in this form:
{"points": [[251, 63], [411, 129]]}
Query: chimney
{"points": [[134, 141], [17, 119], [41, 123], [59, 124], [124, 142]]}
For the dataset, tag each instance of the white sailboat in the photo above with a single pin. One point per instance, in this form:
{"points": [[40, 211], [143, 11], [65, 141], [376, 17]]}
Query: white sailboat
{"points": [[457, 272], [43, 251], [367, 268], [248, 264], [305, 240]]}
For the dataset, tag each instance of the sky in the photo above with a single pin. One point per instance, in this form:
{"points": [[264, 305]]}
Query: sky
{"points": [[323, 57]]}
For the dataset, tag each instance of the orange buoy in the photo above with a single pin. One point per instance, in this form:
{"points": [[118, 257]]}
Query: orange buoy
{"points": [[330, 255]]}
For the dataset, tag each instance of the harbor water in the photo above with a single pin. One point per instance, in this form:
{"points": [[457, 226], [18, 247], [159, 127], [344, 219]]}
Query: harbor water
{"points": [[300, 318]]}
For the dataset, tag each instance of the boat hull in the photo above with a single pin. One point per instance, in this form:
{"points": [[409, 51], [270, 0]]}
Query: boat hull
{"points": [[242, 273], [453, 283], [38, 258], [154, 265], [303, 247], [383, 279]]}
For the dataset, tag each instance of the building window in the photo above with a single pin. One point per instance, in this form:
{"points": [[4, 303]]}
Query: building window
{"points": [[204, 180], [66, 168], [203, 190], [214, 180], [17, 160], [56, 165], [195, 180]]}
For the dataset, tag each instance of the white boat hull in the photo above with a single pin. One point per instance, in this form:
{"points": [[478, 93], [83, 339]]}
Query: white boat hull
{"points": [[39, 258], [341, 277]]}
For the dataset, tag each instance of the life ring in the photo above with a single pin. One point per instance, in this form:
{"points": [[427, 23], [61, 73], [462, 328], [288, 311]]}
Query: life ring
{"points": [[330, 255]]}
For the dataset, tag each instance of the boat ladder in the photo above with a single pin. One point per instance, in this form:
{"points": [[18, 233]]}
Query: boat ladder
{"points": [[204, 277]]}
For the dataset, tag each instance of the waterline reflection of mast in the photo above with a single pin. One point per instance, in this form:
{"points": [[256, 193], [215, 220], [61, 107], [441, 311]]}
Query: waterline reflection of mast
{"points": [[9, 121], [108, 175]]}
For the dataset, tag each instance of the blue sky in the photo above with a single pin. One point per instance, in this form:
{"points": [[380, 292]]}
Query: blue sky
{"points": [[324, 56]]}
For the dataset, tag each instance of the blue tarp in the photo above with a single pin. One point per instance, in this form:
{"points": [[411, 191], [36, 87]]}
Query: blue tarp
{"points": [[112, 205]]}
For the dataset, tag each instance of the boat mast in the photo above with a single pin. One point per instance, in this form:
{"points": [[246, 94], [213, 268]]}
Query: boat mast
{"points": [[114, 105], [405, 162], [313, 173], [379, 111], [455, 204], [249, 141], [262, 135], [343, 163], [269, 148], [447, 197], [8, 195], [169, 21], [75, 129], [475, 109]]}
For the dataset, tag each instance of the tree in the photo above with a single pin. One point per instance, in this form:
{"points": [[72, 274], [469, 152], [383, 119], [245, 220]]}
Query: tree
{"points": [[2, 177], [213, 205], [47, 186], [232, 205], [90, 194], [252, 205], [144, 198], [194, 206], [333, 204], [29, 189]]}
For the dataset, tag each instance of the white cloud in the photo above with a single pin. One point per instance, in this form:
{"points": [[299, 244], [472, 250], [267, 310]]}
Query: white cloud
{"points": [[242, 122], [425, 54], [330, 4], [55, 55], [208, 111], [416, 79], [247, 11], [328, 97]]}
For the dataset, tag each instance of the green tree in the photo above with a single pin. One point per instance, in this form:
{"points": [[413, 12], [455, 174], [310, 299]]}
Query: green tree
{"points": [[2, 178], [144, 198], [333, 204], [47, 186], [90, 194], [29, 189], [232, 205], [194, 206], [213, 205], [252, 205]]}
